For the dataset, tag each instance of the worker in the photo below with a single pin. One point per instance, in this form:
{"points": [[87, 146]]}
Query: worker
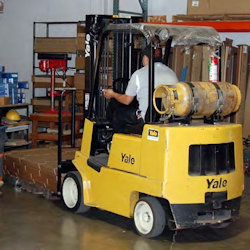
{"points": [[138, 83]]}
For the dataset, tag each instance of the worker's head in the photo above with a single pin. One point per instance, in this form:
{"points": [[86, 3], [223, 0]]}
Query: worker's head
{"points": [[146, 55]]}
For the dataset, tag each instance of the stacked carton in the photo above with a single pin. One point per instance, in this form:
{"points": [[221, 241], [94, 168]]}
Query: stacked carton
{"points": [[4, 90], [194, 62], [213, 7], [22, 86], [8, 86], [36, 166], [11, 90], [11, 79]]}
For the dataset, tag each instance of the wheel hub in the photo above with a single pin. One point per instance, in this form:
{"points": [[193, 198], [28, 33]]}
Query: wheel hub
{"points": [[70, 192], [143, 217], [146, 217]]}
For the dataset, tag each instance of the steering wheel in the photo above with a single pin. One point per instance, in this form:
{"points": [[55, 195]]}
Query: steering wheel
{"points": [[120, 84]]}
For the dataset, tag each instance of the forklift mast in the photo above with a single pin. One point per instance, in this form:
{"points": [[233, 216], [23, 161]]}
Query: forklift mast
{"points": [[109, 58], [94, 25]]}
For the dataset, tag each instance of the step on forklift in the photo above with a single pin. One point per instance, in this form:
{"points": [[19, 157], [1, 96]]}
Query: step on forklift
{"points": [[178, 173]]}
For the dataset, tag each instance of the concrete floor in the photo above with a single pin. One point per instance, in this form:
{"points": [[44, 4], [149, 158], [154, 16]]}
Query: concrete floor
{"points": [[29, 221]]}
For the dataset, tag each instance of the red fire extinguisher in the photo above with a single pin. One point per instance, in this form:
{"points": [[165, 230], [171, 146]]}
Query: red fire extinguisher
{"points": [[213, 68]]}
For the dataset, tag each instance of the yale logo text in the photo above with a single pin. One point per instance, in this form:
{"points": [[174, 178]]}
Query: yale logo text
{"points": [[153, 132], [129, 159], [87, 45], [216, 183]]}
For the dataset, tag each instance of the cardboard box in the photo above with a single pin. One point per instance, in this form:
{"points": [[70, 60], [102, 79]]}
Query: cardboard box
{"points": [[37, 166], [80, 62], [196, 63], [80, 42], [227, 61], [206, 52], [81, 29], [79, 81], [157, 19], [4, 101], [177, 63], [79, 97], [187, 62], [55, 45], [210, 7], [242, 79]]}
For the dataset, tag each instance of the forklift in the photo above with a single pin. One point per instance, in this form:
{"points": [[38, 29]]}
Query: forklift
{"points": [[177, 173]]}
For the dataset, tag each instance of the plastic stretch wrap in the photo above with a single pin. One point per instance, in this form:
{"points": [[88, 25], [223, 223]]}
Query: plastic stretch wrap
{"points": [[182, 35]]}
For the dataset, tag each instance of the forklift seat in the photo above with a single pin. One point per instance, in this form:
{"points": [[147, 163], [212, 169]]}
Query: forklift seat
{"points": [[156, 116]]}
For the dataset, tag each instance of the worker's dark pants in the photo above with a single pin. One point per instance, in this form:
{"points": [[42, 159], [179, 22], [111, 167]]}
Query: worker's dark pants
{"points": [[124, 119]]}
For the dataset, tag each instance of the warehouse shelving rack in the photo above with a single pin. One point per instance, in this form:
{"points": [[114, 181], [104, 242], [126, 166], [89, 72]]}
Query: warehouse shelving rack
{"points": [[47, 35], [49, 32], [143, 4], [220, 26]]}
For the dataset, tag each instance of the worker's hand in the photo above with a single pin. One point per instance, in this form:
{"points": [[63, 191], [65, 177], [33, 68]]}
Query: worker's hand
{"points": [[108, 93]]}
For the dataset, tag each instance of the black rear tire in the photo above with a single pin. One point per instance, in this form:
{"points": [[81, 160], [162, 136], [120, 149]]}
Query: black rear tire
{"points": [[149, 217]]}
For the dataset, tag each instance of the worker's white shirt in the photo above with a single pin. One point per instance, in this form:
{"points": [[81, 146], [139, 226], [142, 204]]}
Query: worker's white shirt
{"points": [[138, 84]]}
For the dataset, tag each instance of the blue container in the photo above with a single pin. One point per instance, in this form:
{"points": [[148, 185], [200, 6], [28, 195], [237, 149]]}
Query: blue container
{"points": [[23, 85], [1, 69], [13, 93], [10, 77], [4, 89], [4, 93], [21, 97], [8, 86]]}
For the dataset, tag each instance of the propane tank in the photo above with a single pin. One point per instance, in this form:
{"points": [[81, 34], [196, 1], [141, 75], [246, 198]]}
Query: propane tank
{"points": [[197, 99]]}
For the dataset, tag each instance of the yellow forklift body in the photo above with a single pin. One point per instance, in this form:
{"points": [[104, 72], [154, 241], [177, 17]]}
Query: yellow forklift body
{"points": [[157, 164]]}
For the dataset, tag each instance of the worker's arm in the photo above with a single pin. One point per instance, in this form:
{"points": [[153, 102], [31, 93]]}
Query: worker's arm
{"points": [[122, 98]]}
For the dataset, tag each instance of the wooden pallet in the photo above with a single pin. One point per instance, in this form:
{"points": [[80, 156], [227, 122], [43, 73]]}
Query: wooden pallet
{"points": [[219, 17]]}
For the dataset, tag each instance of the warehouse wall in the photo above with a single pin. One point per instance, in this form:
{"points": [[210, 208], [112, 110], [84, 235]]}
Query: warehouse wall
{"points": [[16, 27], [155, 7]]}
